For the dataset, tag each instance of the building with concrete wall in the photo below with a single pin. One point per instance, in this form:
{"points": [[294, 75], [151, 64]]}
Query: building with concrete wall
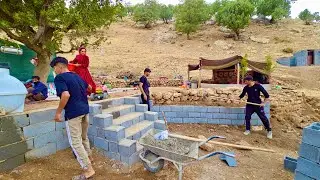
{"points": [[301, 58]]}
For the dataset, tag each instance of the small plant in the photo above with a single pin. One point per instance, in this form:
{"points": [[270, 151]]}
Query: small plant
{"points": [[270, 65], [244, 66], [287, 50]]}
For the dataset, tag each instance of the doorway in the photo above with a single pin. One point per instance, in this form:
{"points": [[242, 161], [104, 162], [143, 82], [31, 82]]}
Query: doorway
{"points": [[310, 58]]}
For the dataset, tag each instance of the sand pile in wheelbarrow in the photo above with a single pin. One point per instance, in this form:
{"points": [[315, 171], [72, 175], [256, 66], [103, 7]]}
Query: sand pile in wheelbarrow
{"points": [[170, 144]]}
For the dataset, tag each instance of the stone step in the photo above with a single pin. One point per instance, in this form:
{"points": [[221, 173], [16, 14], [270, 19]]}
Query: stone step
{"points": [[129, 119], [121, 110], [136, 131]]}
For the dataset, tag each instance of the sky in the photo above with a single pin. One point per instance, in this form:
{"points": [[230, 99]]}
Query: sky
{"points": [[297, 7]]}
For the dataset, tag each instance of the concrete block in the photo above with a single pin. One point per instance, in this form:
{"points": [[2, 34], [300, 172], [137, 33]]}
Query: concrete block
{"points": [[60, 126], [231, 116], [241, 116], [95, 109], [12, 150], [207, 115], [127, 147], [101, 143], [91, 117], [308, 168], [12, 163], [176, 108], [102, 120], [255, 123], [224, 110], [290, 164], [141, 107], [160, 124], [137, 120], [44, 139], [113, 146], [136, 136], [155, 109], [202, 109], [13, 122], [38, 129], [310, 152], [105, 104], [175, 120], [301, 176], [165, 108], [182, 114], [213, 109], [213, 121], [130, 160], [131, 100], [117, 101], [190, 120], [30, 143], [63, 144], [311, 134], [194, 115], [151, 116], [112, 155], [44, 151], [225, 121], [170, 114], [238, 122], [92, 130], [100, 132], [218, 116], [145, 130], [201, 120], [10, 136], [42, 116], [127, 124], [268, 116], [21, 120], [126, 111], [237, 110], [114, 133], [188, 108]]}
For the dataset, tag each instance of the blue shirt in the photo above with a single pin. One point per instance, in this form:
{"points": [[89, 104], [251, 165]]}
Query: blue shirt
{"points": [[145, 84], [254, 93], [77, 104], [39, 87]]}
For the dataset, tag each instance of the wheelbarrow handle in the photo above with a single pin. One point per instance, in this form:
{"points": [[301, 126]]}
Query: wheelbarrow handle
{"points": [[213, 154], [212, 137]]}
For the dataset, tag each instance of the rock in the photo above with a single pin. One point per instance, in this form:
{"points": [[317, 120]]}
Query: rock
{"points": [[176, 99], [260, 40], [184, 98], [193, 92], [229, 35], [175, 95], [222, 44], [296, 30], [167, 96], [211, 22], [158, 96], [224, 29]]}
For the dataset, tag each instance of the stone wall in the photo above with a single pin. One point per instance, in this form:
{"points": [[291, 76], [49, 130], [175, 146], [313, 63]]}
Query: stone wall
{"points": [[207, 114]]}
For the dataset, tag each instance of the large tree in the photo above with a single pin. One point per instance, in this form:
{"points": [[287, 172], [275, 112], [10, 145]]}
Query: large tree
{"points": [[235, 15], [277, 9], [42, 24], [190, 15], [306, 16], [147, 13], [166, 12]]}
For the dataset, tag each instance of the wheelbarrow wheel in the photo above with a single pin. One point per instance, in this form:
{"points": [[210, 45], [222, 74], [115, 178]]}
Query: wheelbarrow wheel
{"points": [[156, 166]]}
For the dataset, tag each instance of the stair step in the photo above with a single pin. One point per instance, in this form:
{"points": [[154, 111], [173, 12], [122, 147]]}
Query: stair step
{"points": [[129, 119], [136, 131], [121, 110]]}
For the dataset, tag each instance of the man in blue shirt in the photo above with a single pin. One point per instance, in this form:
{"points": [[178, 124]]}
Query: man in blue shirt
{"points": [[144, 88], [39, 91], [72, 91], [253, 90]]}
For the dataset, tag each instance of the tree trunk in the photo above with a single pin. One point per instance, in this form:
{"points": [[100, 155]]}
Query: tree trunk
{"points": [[237, 34], [43, 68], [188, 36]]}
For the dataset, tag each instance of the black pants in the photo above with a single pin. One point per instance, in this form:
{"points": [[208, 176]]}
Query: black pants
{"points": [[146, 101], [250, 109]]}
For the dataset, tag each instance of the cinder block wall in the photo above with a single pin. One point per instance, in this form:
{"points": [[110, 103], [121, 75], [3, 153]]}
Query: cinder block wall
{"points": [[317, 57], [207, 114], [301, 58]]}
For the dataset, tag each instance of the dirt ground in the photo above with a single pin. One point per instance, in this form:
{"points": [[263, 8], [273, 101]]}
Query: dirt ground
{"points": [[251, 164]]}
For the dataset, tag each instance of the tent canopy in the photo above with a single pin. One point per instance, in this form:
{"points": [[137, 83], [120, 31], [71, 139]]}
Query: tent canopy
{"points": [[225, 63]]}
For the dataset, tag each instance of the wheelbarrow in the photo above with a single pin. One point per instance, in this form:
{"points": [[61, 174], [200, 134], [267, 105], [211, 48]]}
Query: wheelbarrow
{"points": [[153, 156]]}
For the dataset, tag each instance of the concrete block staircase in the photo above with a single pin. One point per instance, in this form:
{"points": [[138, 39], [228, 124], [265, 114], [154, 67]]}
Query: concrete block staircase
{"points": [[117, 124]]}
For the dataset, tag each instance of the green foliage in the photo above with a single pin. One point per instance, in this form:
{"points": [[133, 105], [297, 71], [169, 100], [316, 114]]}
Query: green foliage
{"points": [[244, 66], [235, 15], [287, 50], [122, 12], [306, 16], [277, 9], [190, 15], [316, 16], [166, 12], [270, 65], [216, 6], [146, 13]]}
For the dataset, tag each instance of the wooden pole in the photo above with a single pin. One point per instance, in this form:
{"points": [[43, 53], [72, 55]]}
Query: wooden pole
{"points": [[199, 80], [221, 143], [188, 74], [238, 73]]}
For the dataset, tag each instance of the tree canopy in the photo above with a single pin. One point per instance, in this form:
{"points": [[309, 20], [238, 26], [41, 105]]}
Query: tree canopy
{"points": [[190, 15], [306, 16], [277, 9], [235, 15], [146, 13], [166, 12], [42, 24]]}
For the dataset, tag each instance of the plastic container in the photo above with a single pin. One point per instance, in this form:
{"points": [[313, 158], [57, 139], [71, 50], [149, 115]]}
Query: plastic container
{"points": [[12, 92], [71, 67]]}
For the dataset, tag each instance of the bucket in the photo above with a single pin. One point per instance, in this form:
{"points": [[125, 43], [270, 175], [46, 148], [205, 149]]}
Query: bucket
{"points": [[71, 67]]}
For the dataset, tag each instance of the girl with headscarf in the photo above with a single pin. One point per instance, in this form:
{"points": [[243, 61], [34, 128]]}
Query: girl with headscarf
{"points": [[82, 63]]}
